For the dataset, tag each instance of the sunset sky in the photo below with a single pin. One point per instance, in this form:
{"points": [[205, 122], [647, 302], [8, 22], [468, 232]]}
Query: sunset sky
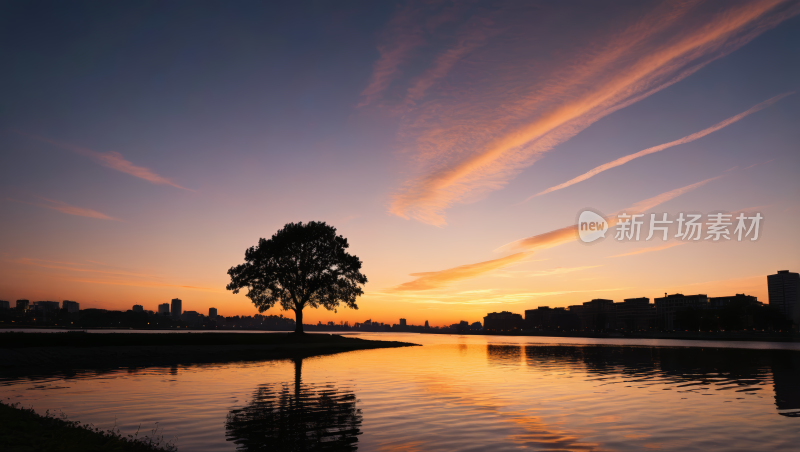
{"points": [[145, 145]]}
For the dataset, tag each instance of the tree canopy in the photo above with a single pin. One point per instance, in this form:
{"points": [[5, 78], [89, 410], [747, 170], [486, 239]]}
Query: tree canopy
{"points": [[302, 265]]}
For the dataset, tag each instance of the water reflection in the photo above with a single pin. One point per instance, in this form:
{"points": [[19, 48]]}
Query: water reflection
{"points": [[299, 417], [786, 376], [689, 369], [504, 355]]}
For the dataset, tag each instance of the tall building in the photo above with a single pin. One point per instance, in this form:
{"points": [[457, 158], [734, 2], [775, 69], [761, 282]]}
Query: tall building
{"points": [[70, 306], [668, 305], [212, 313], [784, 293], [5, 305], [163, 309], [426, 324], [403, 322], [138, 308], [177, 310], [22, 305]]}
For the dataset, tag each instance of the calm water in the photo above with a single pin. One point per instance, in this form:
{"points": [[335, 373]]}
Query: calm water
{"points": [[468, 393]]}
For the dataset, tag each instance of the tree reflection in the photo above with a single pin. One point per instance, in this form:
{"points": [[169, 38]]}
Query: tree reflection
{"points": [[299, 418]]}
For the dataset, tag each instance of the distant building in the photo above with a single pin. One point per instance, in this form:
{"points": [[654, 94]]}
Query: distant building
{"points": [[668, 305], [192, 318], [70, 307], [547, 318], [476, 326], [163, 309], [598, 314], [426, 324], [46, 306], [403, 322], [177, 309], [784, 294], [739, 299], [138, 308], [5, 305], [635, 314], [212, 313], [22, 305], [537, 318], [502, 322]]}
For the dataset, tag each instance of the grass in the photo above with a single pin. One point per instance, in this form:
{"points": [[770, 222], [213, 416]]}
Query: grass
{"points": [[23, 430]]}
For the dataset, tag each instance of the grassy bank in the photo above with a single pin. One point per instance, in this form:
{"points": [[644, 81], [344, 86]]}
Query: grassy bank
{"points": [[82, 339], [22, 430], [41, 353]]}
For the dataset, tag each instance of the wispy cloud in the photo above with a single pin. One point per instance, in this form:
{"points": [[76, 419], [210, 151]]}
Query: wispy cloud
{"points": [[482, 297], [473, 36], [467, 142], [113, 160], [561, 270], [404, 34], [649, 203], [435, 280], [432, 280], [757, 164], [393, 55], [652, 150], [78, 267], [90, 272], [525, 248], [63, 207], [570, 233], [134, 283], [651, 249]]}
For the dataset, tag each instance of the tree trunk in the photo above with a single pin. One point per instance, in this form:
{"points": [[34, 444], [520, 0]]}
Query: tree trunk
{"points": [[298, 320]]}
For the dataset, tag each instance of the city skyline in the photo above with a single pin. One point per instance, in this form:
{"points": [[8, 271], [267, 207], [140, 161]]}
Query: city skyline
{"points": [[454, 153], [784, 298]]}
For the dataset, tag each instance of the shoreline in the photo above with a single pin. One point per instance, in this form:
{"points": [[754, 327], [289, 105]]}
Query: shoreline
{"points": [[23, 353], [678, 335], [22, 429]]}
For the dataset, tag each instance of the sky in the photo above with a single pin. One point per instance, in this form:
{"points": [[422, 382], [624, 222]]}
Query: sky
{"points": [[145, 145]]}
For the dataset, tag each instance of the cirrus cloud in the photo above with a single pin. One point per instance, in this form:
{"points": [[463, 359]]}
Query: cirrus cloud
{"points": [[497, 108]]}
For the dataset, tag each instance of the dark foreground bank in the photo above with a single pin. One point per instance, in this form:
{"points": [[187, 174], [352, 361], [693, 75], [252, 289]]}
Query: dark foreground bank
{"points": [[22, 430], [22, 352]]}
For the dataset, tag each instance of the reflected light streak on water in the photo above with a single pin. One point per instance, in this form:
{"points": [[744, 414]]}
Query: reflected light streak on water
{"points": [[456, 393]]}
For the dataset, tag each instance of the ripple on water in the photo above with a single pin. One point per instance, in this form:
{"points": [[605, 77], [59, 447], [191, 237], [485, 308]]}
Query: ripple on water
{"points": [[455, 393]]}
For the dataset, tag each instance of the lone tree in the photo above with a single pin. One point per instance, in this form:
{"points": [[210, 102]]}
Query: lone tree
{"points": [[302, 265]]}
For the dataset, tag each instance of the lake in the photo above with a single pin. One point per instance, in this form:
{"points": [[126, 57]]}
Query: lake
{"points": [[466, 393]]}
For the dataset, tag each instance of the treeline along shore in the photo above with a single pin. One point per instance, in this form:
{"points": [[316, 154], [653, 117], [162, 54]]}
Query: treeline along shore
{"points": [[79, 350]]}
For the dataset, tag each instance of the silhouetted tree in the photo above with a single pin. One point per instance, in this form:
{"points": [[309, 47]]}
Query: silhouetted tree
{"points": [[302, 265]]}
